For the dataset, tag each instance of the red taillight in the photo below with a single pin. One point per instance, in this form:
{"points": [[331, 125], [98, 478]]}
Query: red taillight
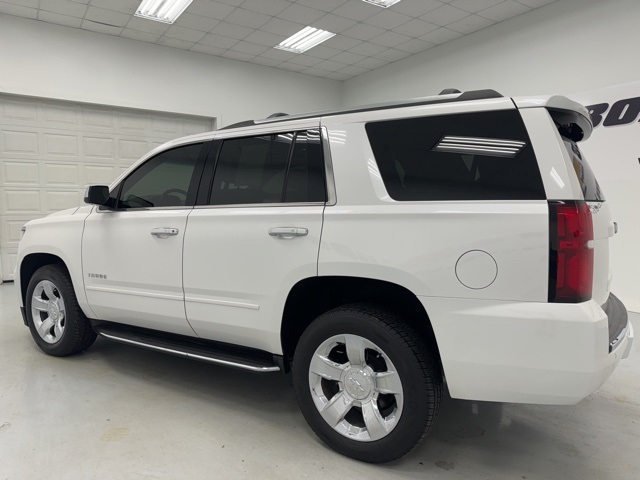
{"points": [[570, 252]]}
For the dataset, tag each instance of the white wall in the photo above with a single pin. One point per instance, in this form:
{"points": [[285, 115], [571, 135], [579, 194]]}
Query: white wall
{"points": [[46, 60], [564, 47]]}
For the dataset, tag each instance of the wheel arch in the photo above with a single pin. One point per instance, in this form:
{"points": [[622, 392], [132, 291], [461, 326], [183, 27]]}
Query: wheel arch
{"points": [[313, 296], [30, 264]]}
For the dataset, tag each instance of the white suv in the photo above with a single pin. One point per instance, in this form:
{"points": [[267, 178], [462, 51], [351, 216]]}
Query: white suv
{"points": [[377, 252]]}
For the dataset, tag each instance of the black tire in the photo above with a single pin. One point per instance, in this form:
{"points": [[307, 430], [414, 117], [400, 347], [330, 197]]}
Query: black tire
{"points": [[417, 367], [77, 334]]}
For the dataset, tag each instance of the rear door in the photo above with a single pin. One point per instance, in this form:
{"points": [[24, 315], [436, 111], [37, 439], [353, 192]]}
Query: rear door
{"points": [[256, 237]]}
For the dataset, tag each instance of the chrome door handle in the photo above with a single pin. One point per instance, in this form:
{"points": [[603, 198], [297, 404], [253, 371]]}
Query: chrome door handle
{"points": [[164, 232], [288, 232]]}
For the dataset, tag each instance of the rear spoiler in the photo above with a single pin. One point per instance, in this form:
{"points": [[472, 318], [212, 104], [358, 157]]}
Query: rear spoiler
{"points": [[573, 117]]}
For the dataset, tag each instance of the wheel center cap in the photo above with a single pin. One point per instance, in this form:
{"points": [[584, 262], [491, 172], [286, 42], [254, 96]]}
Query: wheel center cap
{"points": [[358, 384], [53, 311]]}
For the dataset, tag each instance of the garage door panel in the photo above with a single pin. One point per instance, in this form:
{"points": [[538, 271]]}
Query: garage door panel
{"points": [[19, 142], [60, 144], [19, 110], [50, 150], [61, 174], [20, 173]]}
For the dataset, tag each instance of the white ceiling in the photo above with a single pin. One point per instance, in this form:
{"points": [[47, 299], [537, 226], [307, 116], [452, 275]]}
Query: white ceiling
{"points": [[368, 37]]}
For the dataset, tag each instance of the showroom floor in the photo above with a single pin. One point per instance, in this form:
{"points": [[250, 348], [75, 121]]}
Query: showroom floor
{"points": [[121, 412]]}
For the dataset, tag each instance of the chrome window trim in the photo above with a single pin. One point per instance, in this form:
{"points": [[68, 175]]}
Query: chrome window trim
{"points": [[328, 168], [103, 209], [255, 205]]}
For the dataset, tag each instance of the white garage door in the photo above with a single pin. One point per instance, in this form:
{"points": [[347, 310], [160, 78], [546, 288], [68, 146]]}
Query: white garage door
{"points": [[51, 150]]}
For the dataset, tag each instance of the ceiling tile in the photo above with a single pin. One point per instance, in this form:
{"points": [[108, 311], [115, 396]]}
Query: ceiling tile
{"points": [[362, 31], [334, 23], [140, 36], [504, 11], [24, 3], [250, 48], [393, 55], [325, 5], [264, 38], [356, 10], [243, 57], [176, 43], [390, 39], [218, 41], [210, 9], [269, 62], [208, 49], [292, 66], [330, 65], [230, 30], [444, 15], [352, 70], [187, 34], [416, 28], [414, 46], [305, 60], [64, 7], [536, 3], [148, 26], [278, 54], [387, 19], [272, 7], [474, 6], [65, 20], [442, 35], [301, 14], [322, 52], [100, 28], [371, 63], [235, 3], [316, 72], [341, 42], [285, 28], [337, 76], [109, 17], [196, 22], [470, 24], [124, 6], [416, 8], [348, 58], [367, 49], [247, 18]]}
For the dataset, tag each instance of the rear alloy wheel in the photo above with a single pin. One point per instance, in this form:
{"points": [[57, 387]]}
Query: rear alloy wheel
{"points": [[366, 383], [55, 319]]}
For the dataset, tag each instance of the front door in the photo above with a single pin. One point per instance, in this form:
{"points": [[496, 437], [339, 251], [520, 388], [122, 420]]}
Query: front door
{"points": [[132, 256]]}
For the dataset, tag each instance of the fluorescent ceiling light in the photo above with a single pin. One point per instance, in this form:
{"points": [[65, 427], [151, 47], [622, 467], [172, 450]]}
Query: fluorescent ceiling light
{"points": [[305, 39], [382, 3], [165, 11]]}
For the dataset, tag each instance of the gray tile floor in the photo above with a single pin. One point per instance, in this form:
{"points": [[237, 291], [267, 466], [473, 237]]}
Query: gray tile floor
{"points": [[117, 411]]}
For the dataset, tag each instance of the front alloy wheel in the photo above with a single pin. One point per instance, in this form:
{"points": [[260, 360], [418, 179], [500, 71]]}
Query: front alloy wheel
{"points": [[48, 311]]}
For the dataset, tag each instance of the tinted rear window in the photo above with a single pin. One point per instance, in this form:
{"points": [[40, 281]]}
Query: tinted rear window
{"points": [[471, 156], [588, 183]]}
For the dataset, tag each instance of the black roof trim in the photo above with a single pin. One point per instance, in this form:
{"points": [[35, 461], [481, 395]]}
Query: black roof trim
{"points": [[463, 97]]}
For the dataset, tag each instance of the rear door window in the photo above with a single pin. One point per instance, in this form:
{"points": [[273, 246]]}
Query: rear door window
{"points": [[471, 156]]}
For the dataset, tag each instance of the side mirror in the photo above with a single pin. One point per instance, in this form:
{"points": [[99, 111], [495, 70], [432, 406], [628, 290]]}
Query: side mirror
{"points": [[97, 195]]}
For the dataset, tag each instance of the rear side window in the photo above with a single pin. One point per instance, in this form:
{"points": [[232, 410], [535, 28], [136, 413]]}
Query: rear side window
{"points": [[588, 183], [283, 167], [471, 156]]}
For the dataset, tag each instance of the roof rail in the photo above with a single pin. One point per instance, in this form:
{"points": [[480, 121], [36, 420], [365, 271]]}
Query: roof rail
{"points": [[451, 94]]}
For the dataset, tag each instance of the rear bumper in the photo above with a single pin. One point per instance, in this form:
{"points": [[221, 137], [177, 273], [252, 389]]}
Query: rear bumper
{"points": [[525, 352]]}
